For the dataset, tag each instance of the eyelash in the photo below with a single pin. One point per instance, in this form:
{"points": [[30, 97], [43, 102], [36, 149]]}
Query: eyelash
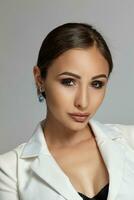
{"points": [[68, 80]]}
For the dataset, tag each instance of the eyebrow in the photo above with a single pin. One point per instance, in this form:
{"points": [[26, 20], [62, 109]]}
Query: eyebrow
{"points": [[77, 76]]}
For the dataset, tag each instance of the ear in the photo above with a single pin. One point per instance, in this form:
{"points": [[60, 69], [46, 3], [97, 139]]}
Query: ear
{"points": [[37, 76]]}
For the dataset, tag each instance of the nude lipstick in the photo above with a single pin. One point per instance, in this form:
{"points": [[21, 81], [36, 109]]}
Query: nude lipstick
{"points": [[79, 117]]}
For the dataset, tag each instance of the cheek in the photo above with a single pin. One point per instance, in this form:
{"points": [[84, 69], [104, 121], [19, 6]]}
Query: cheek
{"points": [[57, 97], [98, 97]]}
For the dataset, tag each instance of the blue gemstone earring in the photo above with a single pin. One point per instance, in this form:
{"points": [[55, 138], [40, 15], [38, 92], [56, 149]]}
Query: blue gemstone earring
{"points": [[40, 96]]}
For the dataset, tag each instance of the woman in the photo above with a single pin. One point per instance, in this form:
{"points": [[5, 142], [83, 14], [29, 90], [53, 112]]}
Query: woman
{"points": [[71, 156]]}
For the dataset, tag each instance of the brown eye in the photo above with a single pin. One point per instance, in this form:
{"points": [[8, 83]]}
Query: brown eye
{"points": [[98, 84], [67, 82]]}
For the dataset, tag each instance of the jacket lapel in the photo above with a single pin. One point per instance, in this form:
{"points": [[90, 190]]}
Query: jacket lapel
{"points": [[113, 153], [48, 170], [46, 167], [114, 159]]}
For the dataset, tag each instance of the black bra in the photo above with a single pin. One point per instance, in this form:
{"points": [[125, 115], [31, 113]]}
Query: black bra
{"points": [[102, 195]]}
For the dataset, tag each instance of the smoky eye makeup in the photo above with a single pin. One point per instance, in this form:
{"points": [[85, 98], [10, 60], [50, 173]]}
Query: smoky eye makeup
{"points": [[98, 84], [67, 81], [70, 82]]}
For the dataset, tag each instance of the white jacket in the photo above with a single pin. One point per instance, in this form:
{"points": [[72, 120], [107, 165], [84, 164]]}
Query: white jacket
{"points": [[30, 172]]}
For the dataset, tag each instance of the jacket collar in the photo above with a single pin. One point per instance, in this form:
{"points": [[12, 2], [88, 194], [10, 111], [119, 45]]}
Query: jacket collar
{"points": [[113, 154], [37, 143]]}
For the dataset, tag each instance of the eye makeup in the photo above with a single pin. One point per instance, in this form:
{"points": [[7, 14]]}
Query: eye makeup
{"points": [[69, 82]]}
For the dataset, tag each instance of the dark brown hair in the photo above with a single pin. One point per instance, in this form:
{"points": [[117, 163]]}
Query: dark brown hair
{"points": [[69, 36]]}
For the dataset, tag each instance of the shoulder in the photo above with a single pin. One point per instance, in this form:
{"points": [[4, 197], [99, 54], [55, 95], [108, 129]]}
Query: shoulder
{"points": [[8, 174], [12, 155], [126, 131], [9, 161]]}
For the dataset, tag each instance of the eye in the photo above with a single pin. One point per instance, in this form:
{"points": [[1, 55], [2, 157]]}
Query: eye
{"points": [[97, 84], [67, 81]]}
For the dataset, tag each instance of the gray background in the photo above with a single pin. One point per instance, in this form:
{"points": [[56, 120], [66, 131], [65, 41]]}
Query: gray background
{"points": [[23, 26]]}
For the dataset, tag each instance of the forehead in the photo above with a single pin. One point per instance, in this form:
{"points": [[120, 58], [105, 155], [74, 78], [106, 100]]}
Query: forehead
{"points": [[81, 61]]}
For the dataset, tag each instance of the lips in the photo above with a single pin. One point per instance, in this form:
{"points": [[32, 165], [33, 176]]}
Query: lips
{"points": [[79, 114], [79, 118]]}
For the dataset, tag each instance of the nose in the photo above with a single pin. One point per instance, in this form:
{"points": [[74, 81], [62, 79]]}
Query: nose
{"points": [[82, 98]]}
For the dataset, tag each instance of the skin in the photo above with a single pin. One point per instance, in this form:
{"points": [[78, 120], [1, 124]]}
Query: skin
{"points": [[73, 143], [80, 96]]}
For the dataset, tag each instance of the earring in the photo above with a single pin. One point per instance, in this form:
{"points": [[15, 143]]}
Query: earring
{"points": [[40, 96]]}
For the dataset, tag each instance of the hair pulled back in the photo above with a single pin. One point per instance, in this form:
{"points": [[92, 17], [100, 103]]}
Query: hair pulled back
{"points": [[68, 36]]}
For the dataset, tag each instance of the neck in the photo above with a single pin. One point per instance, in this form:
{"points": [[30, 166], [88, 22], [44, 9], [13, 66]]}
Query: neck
{"points": [[58, 136]]}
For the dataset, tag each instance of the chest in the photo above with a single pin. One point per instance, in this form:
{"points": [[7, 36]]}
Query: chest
{"points": [[40, 178], [84, 166]]}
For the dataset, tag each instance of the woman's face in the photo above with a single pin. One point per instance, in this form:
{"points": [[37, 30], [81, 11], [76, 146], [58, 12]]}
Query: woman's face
{"points": [[76, 83]]}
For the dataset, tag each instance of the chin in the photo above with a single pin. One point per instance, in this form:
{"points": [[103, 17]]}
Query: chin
{"points": [[73, 125]]}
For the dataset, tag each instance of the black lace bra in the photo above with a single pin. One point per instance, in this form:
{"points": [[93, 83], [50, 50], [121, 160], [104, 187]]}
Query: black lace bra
{"points": [[102, 195]]}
